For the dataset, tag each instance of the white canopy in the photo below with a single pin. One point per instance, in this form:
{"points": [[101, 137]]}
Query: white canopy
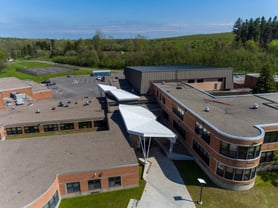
{"points": [[141, 122], [119, 94], [106, 88]]}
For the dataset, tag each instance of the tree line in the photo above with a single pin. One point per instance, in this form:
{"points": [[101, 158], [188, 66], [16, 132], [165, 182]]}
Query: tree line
{"points": [[251, 44], [260, 30]]}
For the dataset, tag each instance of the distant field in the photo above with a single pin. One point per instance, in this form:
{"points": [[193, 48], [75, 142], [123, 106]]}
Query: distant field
{"points": [[10, 71], [181, 40]]}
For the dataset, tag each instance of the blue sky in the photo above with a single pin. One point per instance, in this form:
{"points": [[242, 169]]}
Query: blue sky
{"points": [[126, 18]]}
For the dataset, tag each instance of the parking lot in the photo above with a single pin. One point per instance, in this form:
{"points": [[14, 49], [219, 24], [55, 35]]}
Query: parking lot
{"points": [[74, 87]]}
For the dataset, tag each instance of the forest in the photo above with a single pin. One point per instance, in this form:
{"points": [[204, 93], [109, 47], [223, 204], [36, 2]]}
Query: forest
{"points": [[250, 45]]}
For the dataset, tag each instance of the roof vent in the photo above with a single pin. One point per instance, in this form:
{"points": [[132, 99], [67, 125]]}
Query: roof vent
{"points": [[206, 109], [38, 110], [179, 86], [254, 106]]}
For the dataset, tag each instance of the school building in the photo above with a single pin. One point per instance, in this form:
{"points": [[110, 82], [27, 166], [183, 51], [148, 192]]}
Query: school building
{"points": [[230, 137]]}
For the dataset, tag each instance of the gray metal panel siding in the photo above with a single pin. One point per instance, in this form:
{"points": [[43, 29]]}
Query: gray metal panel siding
{"points": [[141, 80], [154, 76], [134, 78]]}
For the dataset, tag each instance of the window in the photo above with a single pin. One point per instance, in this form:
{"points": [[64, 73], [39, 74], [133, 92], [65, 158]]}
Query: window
{"points": [[271, 137], [66, 126], [73, 187], [201, 152], [53, 201], [163, 99], [238, 174], [31, 129], [229, 173], [235, 174], [94, 184], [178, 111], [165, 115], [191, 81], [267, 156], [101, 124], [114, 181], [179, 129], [14, 130], [239, 152], [202, 132], [85, 124], [200, 80], [50, 127]]}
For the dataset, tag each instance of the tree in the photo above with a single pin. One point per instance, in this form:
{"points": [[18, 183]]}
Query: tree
{"points": [[266, 83], [3, 60]]}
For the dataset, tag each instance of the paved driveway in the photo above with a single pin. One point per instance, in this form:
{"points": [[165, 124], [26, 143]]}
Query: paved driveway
{"points": [[74, 87]]}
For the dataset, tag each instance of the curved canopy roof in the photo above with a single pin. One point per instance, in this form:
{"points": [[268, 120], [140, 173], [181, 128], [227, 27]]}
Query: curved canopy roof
{"points": [[141, 122]]}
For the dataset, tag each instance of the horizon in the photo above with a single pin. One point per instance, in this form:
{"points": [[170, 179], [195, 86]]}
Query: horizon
{"points": [[124, 19]]}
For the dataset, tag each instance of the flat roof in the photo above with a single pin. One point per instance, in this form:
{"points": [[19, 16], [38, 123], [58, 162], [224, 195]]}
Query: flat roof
{"points": [[119, 94], [173, 68], [12, 83], [36, 87], [76, 110], [28, 167], [231, 114]]}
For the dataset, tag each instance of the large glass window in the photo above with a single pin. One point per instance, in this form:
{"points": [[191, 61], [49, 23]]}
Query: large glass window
{"points": [[239, 152], [201, 152], [85, 124], [235, 174], [53, 201], [50, 127], [31, 129], [178, 111], [202, 132], [14, 130], [271, 137], [66, 126], [94, 184], [114, 181], [73, 187], [100, 125], [267, 156]]}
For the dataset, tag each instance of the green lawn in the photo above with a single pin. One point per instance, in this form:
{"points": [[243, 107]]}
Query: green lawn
{"points": [[10, 71], [263, 194], [114, 199]]}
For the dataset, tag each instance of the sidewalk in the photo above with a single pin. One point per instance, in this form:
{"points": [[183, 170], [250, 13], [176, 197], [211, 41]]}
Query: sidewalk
{"points": [[164, 186]]}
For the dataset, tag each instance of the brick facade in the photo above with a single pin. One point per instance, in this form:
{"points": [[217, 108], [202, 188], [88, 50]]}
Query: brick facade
{"points": [[129, 178], [212, 158]]}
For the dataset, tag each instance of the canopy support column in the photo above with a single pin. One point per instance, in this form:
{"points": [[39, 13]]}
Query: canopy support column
{"points": [[145, 146], [172, 143]]}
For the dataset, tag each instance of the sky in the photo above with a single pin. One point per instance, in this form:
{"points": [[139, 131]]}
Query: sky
{"points": [[74, 19]]}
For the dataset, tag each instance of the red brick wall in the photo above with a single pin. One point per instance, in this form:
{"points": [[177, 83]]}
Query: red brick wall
{"points": [[129, 176], [42, 95], [208, 85], [46, 196]]}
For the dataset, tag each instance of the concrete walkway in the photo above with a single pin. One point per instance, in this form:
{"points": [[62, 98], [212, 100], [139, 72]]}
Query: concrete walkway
{"points": [[164, 186]]}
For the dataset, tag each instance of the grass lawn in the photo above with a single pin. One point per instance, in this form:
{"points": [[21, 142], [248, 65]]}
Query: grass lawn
{"points": [[263, 194], [114, 199], [10, 71]]}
